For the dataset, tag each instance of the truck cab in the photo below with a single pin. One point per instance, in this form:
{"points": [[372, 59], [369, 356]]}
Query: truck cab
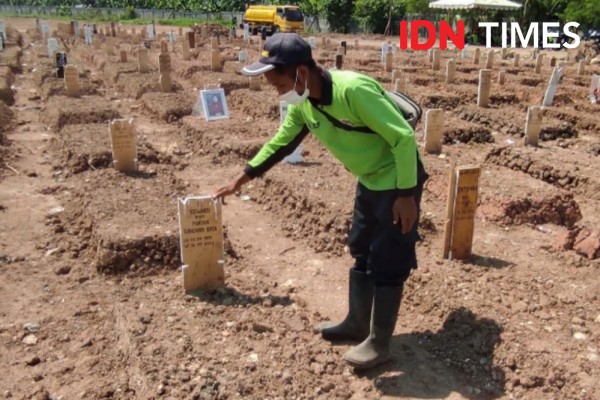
{"points": [[273, 19]]}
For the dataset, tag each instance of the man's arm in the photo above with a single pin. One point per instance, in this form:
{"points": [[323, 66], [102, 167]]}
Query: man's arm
{"points": [[288, 137]]}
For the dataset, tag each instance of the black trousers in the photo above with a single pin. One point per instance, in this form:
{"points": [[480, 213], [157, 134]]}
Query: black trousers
{"points": [[376, 243]]}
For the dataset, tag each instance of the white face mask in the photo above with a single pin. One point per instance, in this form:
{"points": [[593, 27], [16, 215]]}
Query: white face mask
{"points": [[292, 97]]}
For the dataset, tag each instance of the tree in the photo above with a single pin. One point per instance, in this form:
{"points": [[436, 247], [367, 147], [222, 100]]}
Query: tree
{"points": [[544, 10], [420, 7], [586, 12], [314, 9], [339, 14], [378, 15]]}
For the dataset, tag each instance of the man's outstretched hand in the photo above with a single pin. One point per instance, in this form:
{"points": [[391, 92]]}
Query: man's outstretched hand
{"points": [[405, 213], [230, 188]]}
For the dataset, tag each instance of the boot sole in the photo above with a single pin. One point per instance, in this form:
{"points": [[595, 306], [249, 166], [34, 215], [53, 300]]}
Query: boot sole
{"points": [[367, 365], [335, 338]]}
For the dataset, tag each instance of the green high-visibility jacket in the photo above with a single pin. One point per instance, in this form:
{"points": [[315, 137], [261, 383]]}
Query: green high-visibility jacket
{"points": [[384, 159]]}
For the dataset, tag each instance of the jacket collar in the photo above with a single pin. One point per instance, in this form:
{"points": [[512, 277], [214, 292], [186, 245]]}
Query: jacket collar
{"points": [[327, 91]]}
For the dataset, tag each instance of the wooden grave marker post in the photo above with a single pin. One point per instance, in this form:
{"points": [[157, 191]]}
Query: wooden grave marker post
{"points": [[215, 60], [143, 60], [489, 63], [185, 50], [459, 226], [191, 36], [124, 145], [201, 242], [553, 85], [450, 71], [254, 82], [476, 56], [501, 78], [434, 129], [389, 62], [71, 81], [516, 60], [123, 54], [435, 59], [339, 61], [538, 63], [581, 67], [533, 125], [400, 85], [164, 68], [485, 84]]}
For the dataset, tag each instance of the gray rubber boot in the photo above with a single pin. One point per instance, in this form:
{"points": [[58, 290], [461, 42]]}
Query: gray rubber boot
{"points": [[375, 349], [356, 324]]}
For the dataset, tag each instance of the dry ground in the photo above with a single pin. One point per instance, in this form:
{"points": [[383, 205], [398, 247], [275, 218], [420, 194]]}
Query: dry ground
{"points": [[90, 292]]}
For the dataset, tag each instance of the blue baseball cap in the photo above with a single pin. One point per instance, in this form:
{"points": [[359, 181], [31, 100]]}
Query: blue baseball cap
{"points": [[280, 49]]}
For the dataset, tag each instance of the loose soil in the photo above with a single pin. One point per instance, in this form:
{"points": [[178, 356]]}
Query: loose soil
{"points": [[90, 285]]}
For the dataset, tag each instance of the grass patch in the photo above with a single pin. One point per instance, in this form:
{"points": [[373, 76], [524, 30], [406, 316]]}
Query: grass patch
{"points": [[124, 19]]}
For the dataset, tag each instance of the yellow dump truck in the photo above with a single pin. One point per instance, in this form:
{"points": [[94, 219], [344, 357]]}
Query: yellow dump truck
{"points": [[273, 19]]}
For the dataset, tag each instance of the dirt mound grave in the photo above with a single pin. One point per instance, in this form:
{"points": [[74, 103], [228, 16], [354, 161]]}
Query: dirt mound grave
{"points": [[243, 103], [87, 147], [556, 131], [467, 133], [53, 86], [42, 72], [11, 57], [61, 111], [135, 85], [168, 107], [134, 228], [243, 140], [504, 98], [113, 70], [444, 101], [531, 81], [7, 94], [541, 165], [585, 121], [537, 208], [491, 118]]}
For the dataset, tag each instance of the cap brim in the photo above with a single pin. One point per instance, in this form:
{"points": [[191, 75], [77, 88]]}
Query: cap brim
{"points": [[257, 68]]}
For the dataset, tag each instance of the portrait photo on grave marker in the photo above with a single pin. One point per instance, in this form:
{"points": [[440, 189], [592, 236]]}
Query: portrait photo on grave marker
{"points": [[214, 104]]}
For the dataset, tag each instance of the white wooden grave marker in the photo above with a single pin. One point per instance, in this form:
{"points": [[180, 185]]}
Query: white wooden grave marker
{"points": [[533, 125], [485, 84], [594, 91], [124, 145], [201, 242], [52, 47], [434, 128], [553, 84], [143, 60], [450, 71], [71, 81]]}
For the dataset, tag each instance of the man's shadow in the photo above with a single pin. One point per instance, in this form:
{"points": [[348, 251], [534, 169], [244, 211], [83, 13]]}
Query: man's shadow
{"points": [[458, 358]]}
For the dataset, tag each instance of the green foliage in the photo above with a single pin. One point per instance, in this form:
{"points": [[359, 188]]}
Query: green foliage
{"points": [[586, 12], [544, 10], [420, 7], [372, 14], [339, 14]]}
